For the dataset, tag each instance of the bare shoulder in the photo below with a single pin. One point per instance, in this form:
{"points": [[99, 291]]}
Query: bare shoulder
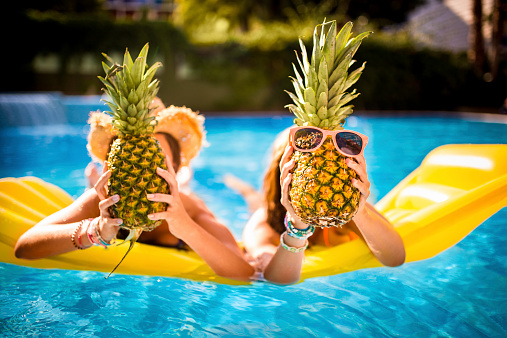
{"points": [[258, 231], [257, 221]]}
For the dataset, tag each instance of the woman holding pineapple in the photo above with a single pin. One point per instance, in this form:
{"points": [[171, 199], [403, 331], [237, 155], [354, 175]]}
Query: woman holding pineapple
{"points": [[316, 187], [270, 240], [88, 220], [144, 149]]}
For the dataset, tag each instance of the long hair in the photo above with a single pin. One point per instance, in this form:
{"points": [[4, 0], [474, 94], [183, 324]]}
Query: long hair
{"points": [[175, 149], [272, 189]]}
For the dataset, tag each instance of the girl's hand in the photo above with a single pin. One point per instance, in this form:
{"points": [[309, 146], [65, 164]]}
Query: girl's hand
{"points": [[175, 214], [92, 174], [108, 227], [362, 184], [286, 165]]}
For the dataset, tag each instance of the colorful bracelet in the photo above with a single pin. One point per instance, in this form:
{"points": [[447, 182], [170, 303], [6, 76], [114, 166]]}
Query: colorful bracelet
{"points": [[101, 240], [94, 235], [298, 233], [73, 237], [90, 232], [290, 248], [79, 240]]}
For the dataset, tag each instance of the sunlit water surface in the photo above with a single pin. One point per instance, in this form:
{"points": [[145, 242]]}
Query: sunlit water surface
{"points": [[460, 293]]}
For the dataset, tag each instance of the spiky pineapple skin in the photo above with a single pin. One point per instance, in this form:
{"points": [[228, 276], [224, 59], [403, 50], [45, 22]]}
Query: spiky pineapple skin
{"points": [[321, 190], [133, 161]]}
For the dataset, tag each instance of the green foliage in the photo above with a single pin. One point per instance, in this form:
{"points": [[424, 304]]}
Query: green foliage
{"points": [[71, 36], [59, 6], [215, 19], [238, 70], [397, 75], [255, 78], [77, 34]]}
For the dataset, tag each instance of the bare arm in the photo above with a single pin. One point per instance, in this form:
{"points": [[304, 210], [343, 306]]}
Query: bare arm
{"points": [[200, 214], [279, 265], [285, 266], [208, 238], [53, 235], [378, 233]]}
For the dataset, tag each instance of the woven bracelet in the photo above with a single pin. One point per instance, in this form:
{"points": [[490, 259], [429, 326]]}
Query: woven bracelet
{"points": [[90, 232], [99, 238], [298, 233], [291, 248]]}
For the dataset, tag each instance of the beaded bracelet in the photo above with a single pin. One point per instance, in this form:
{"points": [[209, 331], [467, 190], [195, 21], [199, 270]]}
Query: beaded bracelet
{"points": [[94, 235], [298, 233], [73, 237], [291, 248], [79, 238], [101, 240], [90, 232]]}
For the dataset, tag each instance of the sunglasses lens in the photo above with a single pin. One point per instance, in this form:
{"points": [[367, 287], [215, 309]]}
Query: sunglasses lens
{"points": [[307, 138], [349, 143]]}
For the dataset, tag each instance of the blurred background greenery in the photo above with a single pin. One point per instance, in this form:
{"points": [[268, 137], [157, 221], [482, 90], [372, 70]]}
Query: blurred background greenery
{"points": [[226, 55]]}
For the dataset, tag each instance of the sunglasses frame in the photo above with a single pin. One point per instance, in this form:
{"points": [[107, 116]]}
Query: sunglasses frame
{"points": [[325, 134]]}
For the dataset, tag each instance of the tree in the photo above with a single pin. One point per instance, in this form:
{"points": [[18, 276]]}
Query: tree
{"points": [[476, 53], [61, 6], [498, 17], [239, 14]]}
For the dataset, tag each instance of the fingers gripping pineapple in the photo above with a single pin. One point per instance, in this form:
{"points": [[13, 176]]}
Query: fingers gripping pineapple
{"points": [[321, 190], [135, 154]]}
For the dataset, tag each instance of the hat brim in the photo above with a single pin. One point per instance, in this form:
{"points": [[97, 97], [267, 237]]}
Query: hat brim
{"points": [[184, 125]]}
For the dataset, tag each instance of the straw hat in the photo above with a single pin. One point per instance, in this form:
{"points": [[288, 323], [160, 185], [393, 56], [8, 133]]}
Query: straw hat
{"points": [[100, 136], [185, 125]]}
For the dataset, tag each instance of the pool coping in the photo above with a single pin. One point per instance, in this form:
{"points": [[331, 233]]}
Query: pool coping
{"points": [[482, 117]]}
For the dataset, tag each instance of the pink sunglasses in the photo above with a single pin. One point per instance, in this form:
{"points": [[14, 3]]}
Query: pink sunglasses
{"points": [[347, 142]]}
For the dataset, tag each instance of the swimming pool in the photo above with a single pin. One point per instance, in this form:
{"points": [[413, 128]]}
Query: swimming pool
{"points": [[459, 293]]}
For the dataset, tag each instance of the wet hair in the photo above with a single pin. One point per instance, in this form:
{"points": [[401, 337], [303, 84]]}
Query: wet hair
{"points": [[272, 189]]}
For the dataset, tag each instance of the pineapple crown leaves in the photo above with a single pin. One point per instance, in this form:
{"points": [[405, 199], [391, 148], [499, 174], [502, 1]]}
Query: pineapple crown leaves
{"points": [[131, 88], [320, 90]]}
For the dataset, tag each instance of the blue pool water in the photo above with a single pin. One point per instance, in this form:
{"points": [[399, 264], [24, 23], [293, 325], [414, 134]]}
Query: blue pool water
{"points": [[460, 293]]}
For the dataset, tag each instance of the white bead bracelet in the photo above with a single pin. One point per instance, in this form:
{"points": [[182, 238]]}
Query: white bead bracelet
{"points": [[290, 248]]}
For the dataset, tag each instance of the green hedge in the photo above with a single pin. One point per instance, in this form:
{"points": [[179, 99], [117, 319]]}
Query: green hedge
{"points": [[401, 77], [397, 77], [71, 36], [235, 76]]}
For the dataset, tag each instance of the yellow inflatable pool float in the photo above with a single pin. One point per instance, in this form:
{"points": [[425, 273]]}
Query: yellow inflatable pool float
{"points": [[456, 188]]}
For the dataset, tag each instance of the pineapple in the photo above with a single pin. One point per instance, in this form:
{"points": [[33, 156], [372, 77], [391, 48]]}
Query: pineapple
{"points": [[321, 191], [135, 154]]}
